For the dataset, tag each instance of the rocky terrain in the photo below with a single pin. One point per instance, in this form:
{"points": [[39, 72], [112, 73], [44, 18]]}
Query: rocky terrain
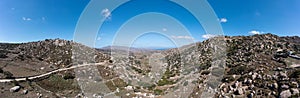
{"points": [[35, 58], [261, 66], [233, 67]]}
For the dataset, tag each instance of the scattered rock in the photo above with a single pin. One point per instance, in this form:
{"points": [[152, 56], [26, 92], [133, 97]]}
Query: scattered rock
{"points": [[250, 95], [25, 91], [285, 94], [275, 85], [282, 74], [14, 89], [39, 95], [284, 86], [295, 91], [239, 91], [236, 84], [295, 84], [261, 72], [129, 88], [254, 76]]}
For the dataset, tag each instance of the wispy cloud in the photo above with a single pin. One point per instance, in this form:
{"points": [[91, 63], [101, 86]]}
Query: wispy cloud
{"points": [[106, 14], [223, 20], [99, 38], [26, 18], [43, 18], [207, 36], [182, 37], [164, 29], [255, 32]]}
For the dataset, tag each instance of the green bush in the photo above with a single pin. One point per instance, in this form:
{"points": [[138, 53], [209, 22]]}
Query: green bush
{"points": [[164, 81], [205, 72], [158, 92], [228, 79], [8, 75], [69, 76], [56, 83], [2, 55], [168, 74], [205, 66], [295, 74], [151, 87], [137, 70], [240, 70]]}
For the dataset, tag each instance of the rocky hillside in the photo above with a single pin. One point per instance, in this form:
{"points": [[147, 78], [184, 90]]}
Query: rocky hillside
{"points": [[55, 52], [256, 66], [35, 58], [262, 66], [236, 67]]}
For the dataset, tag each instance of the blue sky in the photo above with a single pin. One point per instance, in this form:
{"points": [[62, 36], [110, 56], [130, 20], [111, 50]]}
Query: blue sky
{"points": [[33, 20]]}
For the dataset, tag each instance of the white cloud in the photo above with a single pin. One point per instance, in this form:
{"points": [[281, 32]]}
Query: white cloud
{"points": [[99, 38], [26, 18], [43, 18], [207, 36], [182, 37], [223, 20], [255, 32], [164, 29], [106, 14]]}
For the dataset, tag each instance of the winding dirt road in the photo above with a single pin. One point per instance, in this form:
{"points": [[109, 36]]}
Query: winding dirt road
{"points": [[49, 73]]}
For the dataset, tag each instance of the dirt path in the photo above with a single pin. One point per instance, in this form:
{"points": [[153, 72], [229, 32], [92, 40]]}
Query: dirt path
{"points": [[49, 73]]}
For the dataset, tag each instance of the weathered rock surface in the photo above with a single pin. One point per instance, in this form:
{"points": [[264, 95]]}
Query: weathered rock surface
{"points": [[285, 94], [14, 89]]}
